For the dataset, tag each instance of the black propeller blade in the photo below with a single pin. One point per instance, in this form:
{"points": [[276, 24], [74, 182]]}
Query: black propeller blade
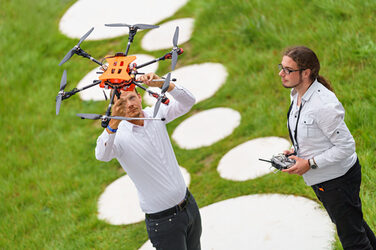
{"points": [[165, 87], [135, 26], [75, 48], [59, 96], [90, 116], [175, 48]]}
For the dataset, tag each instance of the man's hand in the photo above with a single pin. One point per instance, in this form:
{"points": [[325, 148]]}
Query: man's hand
{"points": [[117, 110], [301, 166], [147, 79], [288, 152], [119, 107]]}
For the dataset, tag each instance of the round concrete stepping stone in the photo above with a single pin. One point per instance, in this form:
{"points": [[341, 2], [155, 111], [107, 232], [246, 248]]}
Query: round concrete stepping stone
{"points": [[202, 80], [96, 93], [84, 14], [206, 128], [161, 38], [269, 221], [119, 203], [242, 162]]}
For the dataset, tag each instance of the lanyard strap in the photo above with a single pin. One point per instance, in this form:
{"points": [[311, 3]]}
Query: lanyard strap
{"points": [[294, 142]]}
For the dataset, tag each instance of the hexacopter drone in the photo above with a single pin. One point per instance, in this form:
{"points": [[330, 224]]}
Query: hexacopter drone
{"points": [[119, 73]]}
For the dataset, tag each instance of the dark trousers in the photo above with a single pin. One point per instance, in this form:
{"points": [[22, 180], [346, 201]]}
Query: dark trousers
{"points": [[180, 230], [341, 200]]}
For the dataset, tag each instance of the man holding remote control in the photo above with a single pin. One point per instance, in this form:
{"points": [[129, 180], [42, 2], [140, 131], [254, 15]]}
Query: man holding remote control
{"points": [[324, 149]]}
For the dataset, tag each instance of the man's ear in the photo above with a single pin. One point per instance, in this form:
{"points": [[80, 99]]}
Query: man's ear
{"points": [[307, 73]]}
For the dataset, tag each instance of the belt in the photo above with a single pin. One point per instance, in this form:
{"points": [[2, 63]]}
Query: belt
{"points": [[170, 211]]}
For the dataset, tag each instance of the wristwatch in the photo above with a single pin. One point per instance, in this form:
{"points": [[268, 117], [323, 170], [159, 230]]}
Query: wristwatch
{"points": [[312, 163]]}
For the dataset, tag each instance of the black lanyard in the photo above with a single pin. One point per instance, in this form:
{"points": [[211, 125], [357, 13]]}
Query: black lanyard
{"points": [[294, 142]]}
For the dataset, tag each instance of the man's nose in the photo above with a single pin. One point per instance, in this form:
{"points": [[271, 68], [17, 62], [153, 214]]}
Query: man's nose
{"points": [[130, 103]]}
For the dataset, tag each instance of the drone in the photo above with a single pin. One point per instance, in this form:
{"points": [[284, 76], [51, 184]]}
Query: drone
{"points": [[119, 73]]}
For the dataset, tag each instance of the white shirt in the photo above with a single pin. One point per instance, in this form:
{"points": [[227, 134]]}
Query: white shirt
{"points": [[322, 134], [146, 154]]}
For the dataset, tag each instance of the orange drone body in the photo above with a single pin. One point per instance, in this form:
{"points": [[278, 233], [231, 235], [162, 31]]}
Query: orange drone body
{"points": [[117, 72]]}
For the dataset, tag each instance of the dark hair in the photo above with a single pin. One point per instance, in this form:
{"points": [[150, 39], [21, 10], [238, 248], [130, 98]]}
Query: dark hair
{"points": [[305, 58]]}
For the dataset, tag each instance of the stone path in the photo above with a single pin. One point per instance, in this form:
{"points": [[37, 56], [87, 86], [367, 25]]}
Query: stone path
{"points": [[268, 221]]}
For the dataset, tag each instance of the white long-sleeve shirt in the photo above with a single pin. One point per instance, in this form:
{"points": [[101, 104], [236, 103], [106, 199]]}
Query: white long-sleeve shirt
{"points": [[322, 134], [146, 154]]}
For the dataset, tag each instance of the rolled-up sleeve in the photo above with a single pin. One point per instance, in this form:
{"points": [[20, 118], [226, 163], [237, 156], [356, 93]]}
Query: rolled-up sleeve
{"points": [[105, 149], [330, 120]]}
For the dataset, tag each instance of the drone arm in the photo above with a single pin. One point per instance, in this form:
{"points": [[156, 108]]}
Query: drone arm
{"points": [[128, 46], [95, 82], [82, 53], [166, 56], [148, 63], [68, 94], [105, 121], [132, 33], [137, 83], [165, 100]]}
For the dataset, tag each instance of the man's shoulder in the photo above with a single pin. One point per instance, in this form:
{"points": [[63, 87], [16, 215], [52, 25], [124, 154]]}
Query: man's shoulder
{"points": [[324, 96]]}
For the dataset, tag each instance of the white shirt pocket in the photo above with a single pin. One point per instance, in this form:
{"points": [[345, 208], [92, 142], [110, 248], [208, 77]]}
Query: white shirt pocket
{"points": [[308, 127]]}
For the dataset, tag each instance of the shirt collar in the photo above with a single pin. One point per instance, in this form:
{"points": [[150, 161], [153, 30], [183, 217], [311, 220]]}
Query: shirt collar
{"points": [[133, 127], [307, 95]]}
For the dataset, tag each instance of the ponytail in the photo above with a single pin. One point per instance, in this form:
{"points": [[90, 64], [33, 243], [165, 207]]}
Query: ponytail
{"points": [[325, 82]]}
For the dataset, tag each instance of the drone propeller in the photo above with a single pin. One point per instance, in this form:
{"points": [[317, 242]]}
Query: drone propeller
{"points": [[135, 26], [75, 48], [59, 96], [175, 48], [132, 30], [97, 117], [165, 87]]}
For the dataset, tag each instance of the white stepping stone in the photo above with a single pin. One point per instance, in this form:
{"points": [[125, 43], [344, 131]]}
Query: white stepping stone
{"points": [[96, 93], [84, 14], [202, 80], [269, 221], [161, 38], [242, 162], [206, 128], [119, 203]]}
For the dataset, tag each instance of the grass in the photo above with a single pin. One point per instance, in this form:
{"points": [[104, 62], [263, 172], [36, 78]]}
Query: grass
{"points": [[50, 180]]}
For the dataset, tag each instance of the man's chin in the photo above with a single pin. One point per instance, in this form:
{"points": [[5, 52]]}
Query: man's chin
{"points": [[286, 86]]}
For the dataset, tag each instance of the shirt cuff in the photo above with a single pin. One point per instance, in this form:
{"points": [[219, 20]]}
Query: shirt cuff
{"points": [[107, 136], [320, 161]]}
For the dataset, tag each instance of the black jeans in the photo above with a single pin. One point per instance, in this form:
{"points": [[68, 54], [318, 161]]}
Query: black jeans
{"points": [[341, 200], [179, 231]]}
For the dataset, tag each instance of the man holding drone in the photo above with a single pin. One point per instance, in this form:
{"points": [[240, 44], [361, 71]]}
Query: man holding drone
{"points": [[144, 150]]}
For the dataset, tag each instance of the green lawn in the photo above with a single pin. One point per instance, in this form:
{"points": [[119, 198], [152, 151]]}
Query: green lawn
{"points": [[50, 180]]}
